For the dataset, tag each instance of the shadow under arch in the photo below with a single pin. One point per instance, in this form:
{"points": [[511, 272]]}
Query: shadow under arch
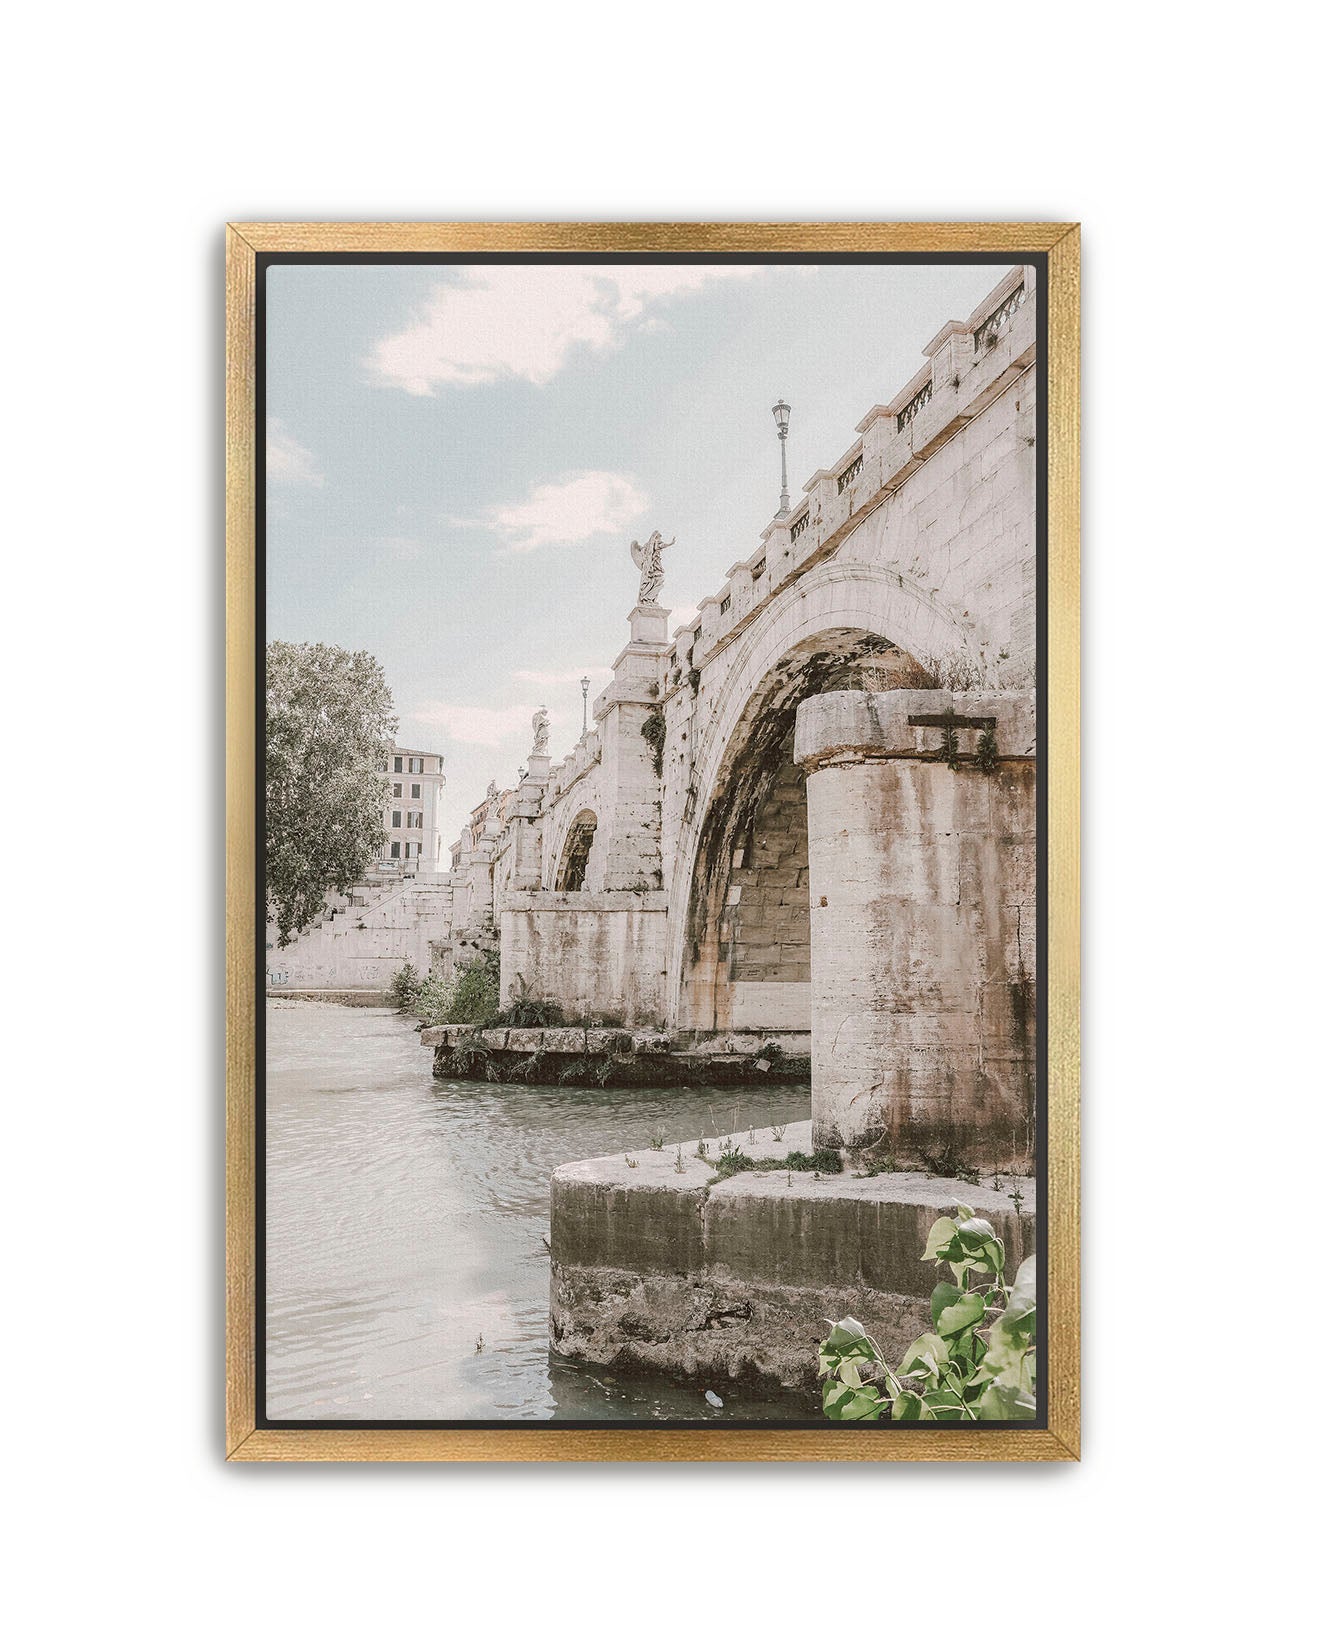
{"points": [[745, 959], [570, 876]]}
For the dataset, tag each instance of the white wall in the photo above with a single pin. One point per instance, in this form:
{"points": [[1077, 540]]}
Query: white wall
{"points": [[140, 130]]}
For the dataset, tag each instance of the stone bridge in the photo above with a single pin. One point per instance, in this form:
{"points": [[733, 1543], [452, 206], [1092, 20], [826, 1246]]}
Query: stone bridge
{"points": [[672, 869], [812, 807]]}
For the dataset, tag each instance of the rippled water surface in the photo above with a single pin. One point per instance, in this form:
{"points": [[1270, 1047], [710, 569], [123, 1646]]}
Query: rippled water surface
{"points": [[405, 1227]]}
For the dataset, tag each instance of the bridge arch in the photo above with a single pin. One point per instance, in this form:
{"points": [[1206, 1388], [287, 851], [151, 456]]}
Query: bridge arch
{"points": [[739, 941], [570, 875]]}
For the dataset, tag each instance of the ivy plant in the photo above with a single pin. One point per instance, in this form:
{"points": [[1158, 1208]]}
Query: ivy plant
{"points": [[977, 1364]]}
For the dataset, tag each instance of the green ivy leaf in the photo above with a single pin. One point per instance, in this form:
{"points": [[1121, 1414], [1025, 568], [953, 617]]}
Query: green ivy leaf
{"points": [[944, 1295], [929, 1353], [1004, 1402], [843, 1403], [944, 1403], [847, 1338], [961, 1313], [940, 1232], [908, 1406]]}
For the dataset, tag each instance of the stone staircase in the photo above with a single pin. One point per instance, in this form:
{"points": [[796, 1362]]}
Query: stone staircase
{"points": [[362, 937]]}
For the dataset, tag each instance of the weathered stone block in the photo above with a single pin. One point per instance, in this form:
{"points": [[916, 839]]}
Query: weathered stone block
{"points": [[735, 1279]]}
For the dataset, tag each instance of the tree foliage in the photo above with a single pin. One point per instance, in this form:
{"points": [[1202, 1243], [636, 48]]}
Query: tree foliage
{"points": [[329, 719]]}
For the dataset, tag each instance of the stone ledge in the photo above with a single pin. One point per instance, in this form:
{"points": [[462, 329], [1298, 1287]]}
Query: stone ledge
{"points": [[656, 1268], [838, 727], [609, 901]]}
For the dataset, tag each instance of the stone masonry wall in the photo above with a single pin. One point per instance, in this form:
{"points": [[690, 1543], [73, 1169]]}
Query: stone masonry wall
{"points": [[591, 953], [766, 932]]}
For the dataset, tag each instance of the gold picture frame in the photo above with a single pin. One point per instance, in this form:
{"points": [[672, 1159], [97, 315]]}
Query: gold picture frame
{"points": [[1058, 244]]}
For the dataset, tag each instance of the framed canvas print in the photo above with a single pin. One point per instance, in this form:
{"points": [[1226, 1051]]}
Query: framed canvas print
{"points": [[653, 914]]}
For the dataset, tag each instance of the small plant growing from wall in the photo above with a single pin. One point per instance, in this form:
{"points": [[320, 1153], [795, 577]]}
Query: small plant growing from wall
{"points": [[526, 1010], [653, 730]]}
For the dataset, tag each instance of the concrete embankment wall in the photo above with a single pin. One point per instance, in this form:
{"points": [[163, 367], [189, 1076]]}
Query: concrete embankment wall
{"points": [[660, 1265]]}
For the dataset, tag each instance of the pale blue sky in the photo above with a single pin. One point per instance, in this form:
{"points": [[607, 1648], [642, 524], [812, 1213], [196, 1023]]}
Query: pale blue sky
{"points": [[460, 457]]}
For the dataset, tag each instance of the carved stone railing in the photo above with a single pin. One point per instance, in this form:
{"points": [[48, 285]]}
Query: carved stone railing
{"points": [[993, 324], [962, 371], [920, 399]]}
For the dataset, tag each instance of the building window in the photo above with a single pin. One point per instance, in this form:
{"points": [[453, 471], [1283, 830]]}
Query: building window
{"points": [[396, 820], [398, 764], [416, 792], [398, 789], [393, 850]]}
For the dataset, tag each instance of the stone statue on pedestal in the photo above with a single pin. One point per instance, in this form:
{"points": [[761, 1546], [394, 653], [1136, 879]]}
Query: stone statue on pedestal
{"points": [[648, 560], [540, 732]]}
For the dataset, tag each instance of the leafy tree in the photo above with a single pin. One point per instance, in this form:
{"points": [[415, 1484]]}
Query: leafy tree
{"points": [[329, 719]]}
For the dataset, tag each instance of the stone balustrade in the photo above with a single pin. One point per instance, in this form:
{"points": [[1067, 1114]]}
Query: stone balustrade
{"points": [[969, 364]]}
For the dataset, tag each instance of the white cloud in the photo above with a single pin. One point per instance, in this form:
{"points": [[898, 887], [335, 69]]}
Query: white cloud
{"points": [[477, 723], [287, 459], [566, 512], [523, 321]]}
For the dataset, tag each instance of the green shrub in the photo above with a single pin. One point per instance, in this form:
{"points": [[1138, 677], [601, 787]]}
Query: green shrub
{"points": [[435, 1000], [526, 1010], [978, 1364], [826, 1161], [475, 992], [404, 987]]}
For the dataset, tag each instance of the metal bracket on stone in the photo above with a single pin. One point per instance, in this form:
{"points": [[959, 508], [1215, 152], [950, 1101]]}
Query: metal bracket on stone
{"points": [[950, 719], [950, 724]]}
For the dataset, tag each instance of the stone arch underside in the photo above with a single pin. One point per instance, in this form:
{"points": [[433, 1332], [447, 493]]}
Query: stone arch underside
{"points": [[570, 876], [746, 953], [821, 633]]}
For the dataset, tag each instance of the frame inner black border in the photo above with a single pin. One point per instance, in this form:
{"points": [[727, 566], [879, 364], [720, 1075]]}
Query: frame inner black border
{"points": [[1037, 261]]}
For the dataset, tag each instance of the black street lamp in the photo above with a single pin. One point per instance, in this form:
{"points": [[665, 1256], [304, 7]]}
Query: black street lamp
{"points": [[781, 410]]}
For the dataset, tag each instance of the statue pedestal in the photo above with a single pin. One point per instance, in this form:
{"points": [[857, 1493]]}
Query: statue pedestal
{"points": [[650, 623]]}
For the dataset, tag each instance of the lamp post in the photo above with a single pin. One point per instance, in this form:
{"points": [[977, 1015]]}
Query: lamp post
{"points": [[781, 410], [586, 687]]}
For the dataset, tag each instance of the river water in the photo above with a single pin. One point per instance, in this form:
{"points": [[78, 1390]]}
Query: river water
{"points": [[407, 1274]]}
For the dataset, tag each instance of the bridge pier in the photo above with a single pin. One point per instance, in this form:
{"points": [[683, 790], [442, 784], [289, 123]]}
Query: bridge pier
{"points": [[921, 827]]}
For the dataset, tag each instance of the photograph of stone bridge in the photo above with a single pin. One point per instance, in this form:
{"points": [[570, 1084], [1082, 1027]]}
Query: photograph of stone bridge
{"points": [[799, 827]]}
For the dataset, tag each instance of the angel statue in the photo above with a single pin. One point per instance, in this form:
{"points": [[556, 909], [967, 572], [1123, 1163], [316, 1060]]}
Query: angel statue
{"points": [[647, 558], [540, 733]]}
